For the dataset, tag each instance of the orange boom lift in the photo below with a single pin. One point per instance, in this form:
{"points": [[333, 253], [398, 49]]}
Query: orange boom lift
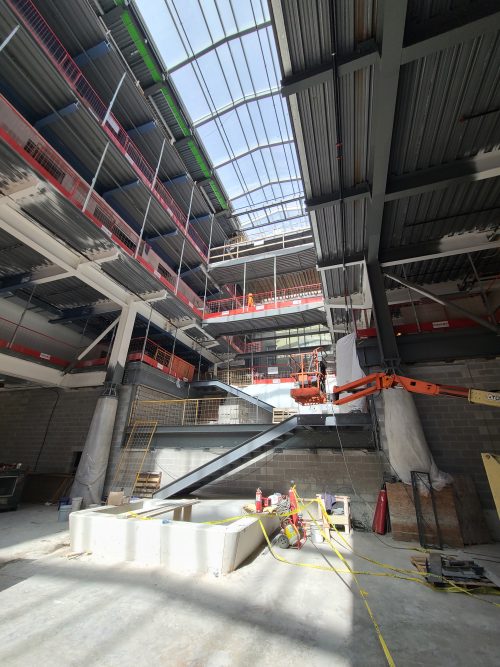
{"points": [[308, 371], [373, 383]]}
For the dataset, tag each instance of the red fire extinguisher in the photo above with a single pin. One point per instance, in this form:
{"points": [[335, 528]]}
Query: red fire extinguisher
{"points": [[258, 501], [379, 524]]}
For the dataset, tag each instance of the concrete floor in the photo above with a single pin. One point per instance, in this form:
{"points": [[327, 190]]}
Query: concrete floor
{"points": [[61, 611]]}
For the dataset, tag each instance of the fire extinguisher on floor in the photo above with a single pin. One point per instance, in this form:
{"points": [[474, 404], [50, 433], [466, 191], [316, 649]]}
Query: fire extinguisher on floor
{"points": [[258, 501], [379, 524]]}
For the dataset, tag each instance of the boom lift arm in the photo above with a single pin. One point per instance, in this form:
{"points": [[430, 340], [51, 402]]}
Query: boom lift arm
{"points": [[374, 382]]}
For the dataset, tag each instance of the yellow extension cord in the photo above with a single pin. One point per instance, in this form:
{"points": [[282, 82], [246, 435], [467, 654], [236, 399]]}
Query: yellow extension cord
{"points": [[349, 570], [354, 573]]}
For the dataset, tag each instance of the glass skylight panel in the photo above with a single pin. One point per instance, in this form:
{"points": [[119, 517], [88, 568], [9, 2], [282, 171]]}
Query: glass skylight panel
{"points": [[249, 140]]}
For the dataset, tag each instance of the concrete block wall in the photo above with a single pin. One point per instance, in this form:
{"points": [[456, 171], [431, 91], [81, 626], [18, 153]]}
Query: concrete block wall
{"points": [[48, 425], [313, 471], [456, 430]]}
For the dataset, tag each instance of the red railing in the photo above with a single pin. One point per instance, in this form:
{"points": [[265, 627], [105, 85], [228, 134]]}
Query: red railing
{"points": [[415, 317], [253, 302], [156, 356], [67, 67], [425, 327], [37, 152], [17, 338]]}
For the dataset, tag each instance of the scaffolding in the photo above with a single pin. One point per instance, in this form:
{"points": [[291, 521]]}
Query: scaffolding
{"points": [[133, 457]]}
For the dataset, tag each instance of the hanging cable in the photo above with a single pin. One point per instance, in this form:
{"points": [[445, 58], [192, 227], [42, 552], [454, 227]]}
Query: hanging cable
{"points": [[340, 170]]}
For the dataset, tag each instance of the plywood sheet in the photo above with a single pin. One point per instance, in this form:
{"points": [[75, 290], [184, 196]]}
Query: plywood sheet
{"points": [[404, 520]]}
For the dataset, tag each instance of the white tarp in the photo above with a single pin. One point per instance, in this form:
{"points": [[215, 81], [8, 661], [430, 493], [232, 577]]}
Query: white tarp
{"points": [[407, 447], [348, 369]]}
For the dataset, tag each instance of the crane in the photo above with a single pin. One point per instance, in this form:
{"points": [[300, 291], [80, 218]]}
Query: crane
{"points": [[371, 384]]}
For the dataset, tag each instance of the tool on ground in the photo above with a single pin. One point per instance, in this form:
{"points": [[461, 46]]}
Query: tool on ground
{"points": [[293, 532], [374, 382], [308, 371]]}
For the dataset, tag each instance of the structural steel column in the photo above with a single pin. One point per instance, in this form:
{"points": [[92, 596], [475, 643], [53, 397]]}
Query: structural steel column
{"points": [[389, 353], [91, 473]]}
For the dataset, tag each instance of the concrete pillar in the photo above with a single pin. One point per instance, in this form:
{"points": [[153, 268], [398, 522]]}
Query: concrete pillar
{"points": [[91, 473]]}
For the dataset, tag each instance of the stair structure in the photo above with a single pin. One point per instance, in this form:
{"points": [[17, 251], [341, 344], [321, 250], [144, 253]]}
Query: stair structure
{"points": [[231, 460]]}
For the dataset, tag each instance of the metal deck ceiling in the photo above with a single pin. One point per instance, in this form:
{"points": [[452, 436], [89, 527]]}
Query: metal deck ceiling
{"points": [[17, 258], [294, 279], [54, 212], [68, 293], [299, 260], [21, 86], [446, 105], [299, 319], [460, 208]]}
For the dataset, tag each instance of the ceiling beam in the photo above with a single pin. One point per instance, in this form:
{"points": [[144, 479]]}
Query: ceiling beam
{"points": [[361, 191], [221, 111], [269, 254], [255, 149], [460, 25], [366, 55], [401, 295], [218, 43], [433, 35], [460, 244], [45, 274], [452, 305], [475, 168], [449, 246]]}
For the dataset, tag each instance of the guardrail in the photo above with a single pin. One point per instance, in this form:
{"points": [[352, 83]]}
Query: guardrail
{"points": [[245, 248], [252, 302], [37, 152], [17, 339], [69, 70], [199, 412], [156, 356]]}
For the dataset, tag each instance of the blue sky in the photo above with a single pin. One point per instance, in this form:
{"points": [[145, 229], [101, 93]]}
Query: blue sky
{"points": [[234, 74]]}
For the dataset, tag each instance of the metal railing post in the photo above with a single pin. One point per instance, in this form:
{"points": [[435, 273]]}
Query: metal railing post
{"points": [[184, 239], [275, 294], [139, 240], [96, 175], [9, 37], [244, 284], [13, 337], [146, 334], [113, 99]]}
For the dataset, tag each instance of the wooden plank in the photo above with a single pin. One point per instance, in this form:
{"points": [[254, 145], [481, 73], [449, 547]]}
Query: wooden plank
{"points": [[404, 521], [470, 514]]}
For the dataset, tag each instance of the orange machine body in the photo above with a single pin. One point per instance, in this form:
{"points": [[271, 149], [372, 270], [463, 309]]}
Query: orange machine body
{"points": [[309, 375]]}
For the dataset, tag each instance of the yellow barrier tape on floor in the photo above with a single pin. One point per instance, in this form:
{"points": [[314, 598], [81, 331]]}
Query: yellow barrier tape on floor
{"points": [[362, 593]]}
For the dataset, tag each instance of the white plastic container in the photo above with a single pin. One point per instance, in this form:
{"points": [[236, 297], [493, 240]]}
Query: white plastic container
{"points": [[316, 536], [64, 511], [76, 504]]}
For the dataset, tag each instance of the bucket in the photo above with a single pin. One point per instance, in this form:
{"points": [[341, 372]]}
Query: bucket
{"points": [[64, 511], [316, 536], [76, 504]]}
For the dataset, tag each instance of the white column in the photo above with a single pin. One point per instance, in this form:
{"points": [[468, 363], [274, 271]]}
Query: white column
{"points": [[91, 473]]}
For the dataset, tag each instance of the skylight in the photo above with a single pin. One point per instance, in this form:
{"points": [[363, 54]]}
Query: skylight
{"points": [[221, 57]]}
